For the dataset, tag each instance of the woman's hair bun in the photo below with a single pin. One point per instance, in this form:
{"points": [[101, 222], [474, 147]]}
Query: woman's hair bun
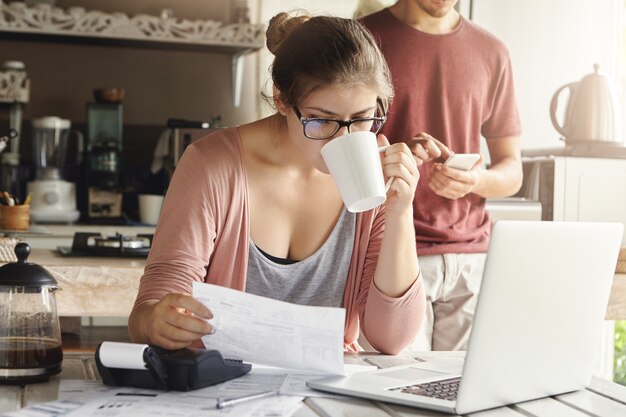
{"points": [[280, 27]]}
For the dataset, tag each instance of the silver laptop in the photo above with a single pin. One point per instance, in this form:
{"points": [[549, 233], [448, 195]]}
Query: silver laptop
{"points": [[542, 302]]}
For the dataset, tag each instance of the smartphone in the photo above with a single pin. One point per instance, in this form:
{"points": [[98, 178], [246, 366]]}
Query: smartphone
{"points": [[462, 161]]}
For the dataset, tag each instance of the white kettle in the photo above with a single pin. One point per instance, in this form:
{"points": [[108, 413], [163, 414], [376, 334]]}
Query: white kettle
{"points": [[593, 114]]}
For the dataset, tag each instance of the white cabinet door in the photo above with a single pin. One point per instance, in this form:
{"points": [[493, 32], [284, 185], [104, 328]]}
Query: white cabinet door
{"points": [[593, 189]]}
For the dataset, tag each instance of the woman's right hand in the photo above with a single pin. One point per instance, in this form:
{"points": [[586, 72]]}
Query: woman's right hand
{"points": [[176, 321]]}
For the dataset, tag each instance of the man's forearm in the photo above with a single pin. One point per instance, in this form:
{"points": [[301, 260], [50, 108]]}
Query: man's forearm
{"points": [[500, 180]]}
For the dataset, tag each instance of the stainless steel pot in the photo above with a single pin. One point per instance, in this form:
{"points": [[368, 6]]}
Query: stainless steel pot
{"points": [[593, 113]]}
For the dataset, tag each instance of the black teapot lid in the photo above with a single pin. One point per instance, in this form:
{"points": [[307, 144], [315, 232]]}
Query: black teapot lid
{"points": [[22, 273]]}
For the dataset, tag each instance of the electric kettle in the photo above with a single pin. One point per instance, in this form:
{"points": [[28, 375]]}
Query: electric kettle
{"points": [[30, 335], [593, 114]]}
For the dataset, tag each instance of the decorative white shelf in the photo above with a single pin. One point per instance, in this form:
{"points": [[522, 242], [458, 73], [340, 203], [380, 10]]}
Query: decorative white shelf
{"points": [[77, 24]]}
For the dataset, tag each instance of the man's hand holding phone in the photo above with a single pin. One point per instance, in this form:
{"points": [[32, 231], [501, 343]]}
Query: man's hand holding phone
{"points": [[463, 161], [454, 178], [457, 176]]}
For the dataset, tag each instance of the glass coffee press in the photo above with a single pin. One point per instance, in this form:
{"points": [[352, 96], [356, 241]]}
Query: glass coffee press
{"points": [[30, 335]]}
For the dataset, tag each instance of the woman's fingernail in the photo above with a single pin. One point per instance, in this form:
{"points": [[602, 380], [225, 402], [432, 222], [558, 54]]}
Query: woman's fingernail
{"points": [[213, 330], [209, 315]]}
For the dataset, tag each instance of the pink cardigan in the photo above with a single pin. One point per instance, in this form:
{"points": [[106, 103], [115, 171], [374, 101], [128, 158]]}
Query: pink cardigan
{"points": [[203, 236]]}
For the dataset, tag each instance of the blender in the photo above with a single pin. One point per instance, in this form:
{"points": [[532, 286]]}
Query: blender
{"points": [[53, 198]]}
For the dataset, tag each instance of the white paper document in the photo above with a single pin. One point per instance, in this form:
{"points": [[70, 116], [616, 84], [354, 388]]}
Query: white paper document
{"points": [[271, 332], [48, 409], [104, 401]]}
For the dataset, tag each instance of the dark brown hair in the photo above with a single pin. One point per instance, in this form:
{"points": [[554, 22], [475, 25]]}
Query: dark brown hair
{"points": [[320, 51]]}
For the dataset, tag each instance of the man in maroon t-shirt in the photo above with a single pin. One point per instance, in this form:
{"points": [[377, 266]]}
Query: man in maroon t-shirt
{"points": [[453, 83]]}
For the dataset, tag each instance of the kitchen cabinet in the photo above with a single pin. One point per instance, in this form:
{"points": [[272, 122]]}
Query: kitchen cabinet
{"points": [[577, 188], [77, 25]]}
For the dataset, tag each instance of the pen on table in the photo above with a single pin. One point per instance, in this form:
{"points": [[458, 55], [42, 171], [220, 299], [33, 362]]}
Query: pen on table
{"points": [[28, 197], [225, 402]]}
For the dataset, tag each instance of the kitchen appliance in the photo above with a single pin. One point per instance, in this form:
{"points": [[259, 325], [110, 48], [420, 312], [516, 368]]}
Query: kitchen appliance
{"points": [[95, 244], [593, 114], [170, 147], [183, 132], [53, 198], [30, 335], [104, 162]]}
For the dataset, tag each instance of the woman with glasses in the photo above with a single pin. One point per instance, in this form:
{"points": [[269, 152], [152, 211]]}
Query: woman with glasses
{"points": [[254, 208]]}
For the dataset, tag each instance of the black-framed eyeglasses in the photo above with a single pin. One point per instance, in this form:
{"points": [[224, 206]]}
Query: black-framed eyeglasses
{"points": [[319, 129]]}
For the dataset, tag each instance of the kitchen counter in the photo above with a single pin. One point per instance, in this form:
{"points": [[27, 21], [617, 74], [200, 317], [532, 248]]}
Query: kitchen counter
{"points": [[50, 236], [106, 287], [92, 286]]}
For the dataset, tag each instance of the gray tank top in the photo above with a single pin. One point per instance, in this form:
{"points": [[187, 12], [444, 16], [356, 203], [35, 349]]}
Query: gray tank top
{"points": [[318, 280]]}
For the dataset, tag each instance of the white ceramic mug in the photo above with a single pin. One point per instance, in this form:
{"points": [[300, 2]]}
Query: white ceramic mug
{"points": [[354, 163], [150, 208]]}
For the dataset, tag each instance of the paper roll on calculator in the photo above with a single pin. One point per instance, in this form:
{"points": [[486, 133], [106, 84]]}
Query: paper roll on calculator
{"points": [[123, 355]]}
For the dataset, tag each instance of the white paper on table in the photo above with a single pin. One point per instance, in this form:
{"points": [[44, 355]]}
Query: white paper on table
{"points": [[74, 397], [170, 404], [295, 384], [84, 391], [271, 332], [48, 409], [182, 404], [279, 406], [250, 383], [110, 405]]}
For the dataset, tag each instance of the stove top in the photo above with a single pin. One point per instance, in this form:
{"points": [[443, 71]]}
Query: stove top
{"points": [[95, 244]]}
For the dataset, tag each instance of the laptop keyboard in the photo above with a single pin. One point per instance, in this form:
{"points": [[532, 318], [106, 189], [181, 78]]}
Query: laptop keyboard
{"points": [[444, 389]]}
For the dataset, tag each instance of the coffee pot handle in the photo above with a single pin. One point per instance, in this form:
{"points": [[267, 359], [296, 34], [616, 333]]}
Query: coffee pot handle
{"points": [[553, 104], [54, 288]]}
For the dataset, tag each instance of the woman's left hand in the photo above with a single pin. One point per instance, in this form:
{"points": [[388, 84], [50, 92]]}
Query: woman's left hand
{"points": [[399, 163]]}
